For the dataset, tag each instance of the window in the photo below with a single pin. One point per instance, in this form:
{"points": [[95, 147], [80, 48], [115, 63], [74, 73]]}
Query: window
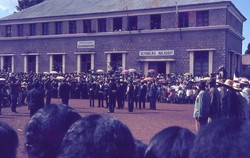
{"points": [[45, 28], [20, 30], [117, 24], [58, 28], [72, 27], [8, 31], [202, 18], [101, 25], [155, 21], [132, 23], [32, 29], [183, 19], [86, 26], [200, 63]]}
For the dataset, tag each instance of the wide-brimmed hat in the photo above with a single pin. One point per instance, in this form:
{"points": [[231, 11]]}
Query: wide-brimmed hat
{"points": [[244, 81], [236, 86], [228, 83]]}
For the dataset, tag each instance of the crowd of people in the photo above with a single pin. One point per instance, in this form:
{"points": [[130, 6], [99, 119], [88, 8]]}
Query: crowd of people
{"points": [[58, 131], [110, 89]]}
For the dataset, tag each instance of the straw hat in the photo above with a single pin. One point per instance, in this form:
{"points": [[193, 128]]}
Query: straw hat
{"points": [[228, 83], [236, 86], [244, 81]]}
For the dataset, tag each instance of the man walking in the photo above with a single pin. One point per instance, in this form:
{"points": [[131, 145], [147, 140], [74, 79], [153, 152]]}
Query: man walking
{"points": [[202, 106]]}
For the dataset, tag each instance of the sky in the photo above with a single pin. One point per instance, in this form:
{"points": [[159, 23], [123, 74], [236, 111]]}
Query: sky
{"points": [[7, 7]]}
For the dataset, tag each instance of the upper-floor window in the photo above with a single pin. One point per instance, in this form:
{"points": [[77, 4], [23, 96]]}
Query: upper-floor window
{"points": [[87, 26], [32, 29], [132, 23], [101, 25], [183, 19], [72, 27], [45, 28], [20, 30], [155, 21], [117, 24], [8, 31], [58, 28], [202, 18]]}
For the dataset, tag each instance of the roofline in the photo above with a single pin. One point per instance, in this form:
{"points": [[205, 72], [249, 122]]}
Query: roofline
{"points": [[169, 9]]}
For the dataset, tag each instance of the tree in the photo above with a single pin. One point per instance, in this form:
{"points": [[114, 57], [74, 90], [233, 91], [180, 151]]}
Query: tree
{"points": [[23, 4], [248, 49]]}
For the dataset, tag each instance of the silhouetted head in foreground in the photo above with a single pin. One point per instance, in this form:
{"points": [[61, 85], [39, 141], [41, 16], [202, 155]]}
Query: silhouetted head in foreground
{"points": [[223, 138], [140, 149], [8, 141], [47, 128], [98, 136], [171, 142]]}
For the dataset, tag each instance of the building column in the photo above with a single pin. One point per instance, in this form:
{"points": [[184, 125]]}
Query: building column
{"points": [[12, 64], [1, 59], [63, 63], [78, 69], [92, 62], [167, 67], [210, 62], [123, 61], [50, 63], [108, 62], [37, 63], [25, 59], [146, 68], [191, 62]]}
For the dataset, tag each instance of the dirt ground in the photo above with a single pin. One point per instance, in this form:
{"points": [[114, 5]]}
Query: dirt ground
{"points": [[143, 123]]}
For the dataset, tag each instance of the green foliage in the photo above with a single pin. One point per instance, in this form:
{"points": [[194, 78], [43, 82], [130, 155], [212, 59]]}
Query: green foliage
{"points": [[23, 4], [248, 49]]}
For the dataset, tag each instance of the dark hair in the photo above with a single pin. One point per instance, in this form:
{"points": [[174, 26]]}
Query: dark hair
{"points": [[223, 138], [171, 142], [98, 136], [47, 128], [140, 149], [8, 141]]}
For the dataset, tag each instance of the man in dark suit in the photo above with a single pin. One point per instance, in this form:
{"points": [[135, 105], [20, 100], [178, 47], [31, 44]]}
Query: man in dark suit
{"points": [[64, 91], [100, 93], [119, 95], [142, 95], [35, 98], [130, 95], [112, 95]]}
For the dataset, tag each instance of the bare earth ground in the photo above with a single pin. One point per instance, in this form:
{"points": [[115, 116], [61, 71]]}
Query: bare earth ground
{"points": [[143, 123]]}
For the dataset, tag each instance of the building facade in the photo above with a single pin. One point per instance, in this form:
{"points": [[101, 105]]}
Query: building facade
{"points": [[68, 36]]}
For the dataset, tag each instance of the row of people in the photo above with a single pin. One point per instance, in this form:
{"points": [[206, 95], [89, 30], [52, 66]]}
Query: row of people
{"points": [[59, 131], [229, 99]]}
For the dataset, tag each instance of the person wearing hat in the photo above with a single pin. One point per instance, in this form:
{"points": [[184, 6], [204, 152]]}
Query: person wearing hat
{"points": [[35, 98], [230, 104], [245, 99], [215, 104], [202, 106]]}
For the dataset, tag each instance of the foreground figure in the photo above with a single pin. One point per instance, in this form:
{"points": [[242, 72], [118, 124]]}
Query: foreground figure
{"points": [[171, 142], [8, 141], [47, 128], [98, 136]]}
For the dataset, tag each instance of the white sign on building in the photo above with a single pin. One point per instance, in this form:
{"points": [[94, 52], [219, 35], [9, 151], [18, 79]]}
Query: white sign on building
{"points": [[246, 59], [156, 53], [85, 44]]}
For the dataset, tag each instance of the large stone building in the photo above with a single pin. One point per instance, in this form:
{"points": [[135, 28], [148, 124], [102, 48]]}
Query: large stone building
{"points": [[78, 35]]}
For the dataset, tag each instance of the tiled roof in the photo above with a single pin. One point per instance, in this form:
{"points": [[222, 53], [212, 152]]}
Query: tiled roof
{"points": [[51, 8]]}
